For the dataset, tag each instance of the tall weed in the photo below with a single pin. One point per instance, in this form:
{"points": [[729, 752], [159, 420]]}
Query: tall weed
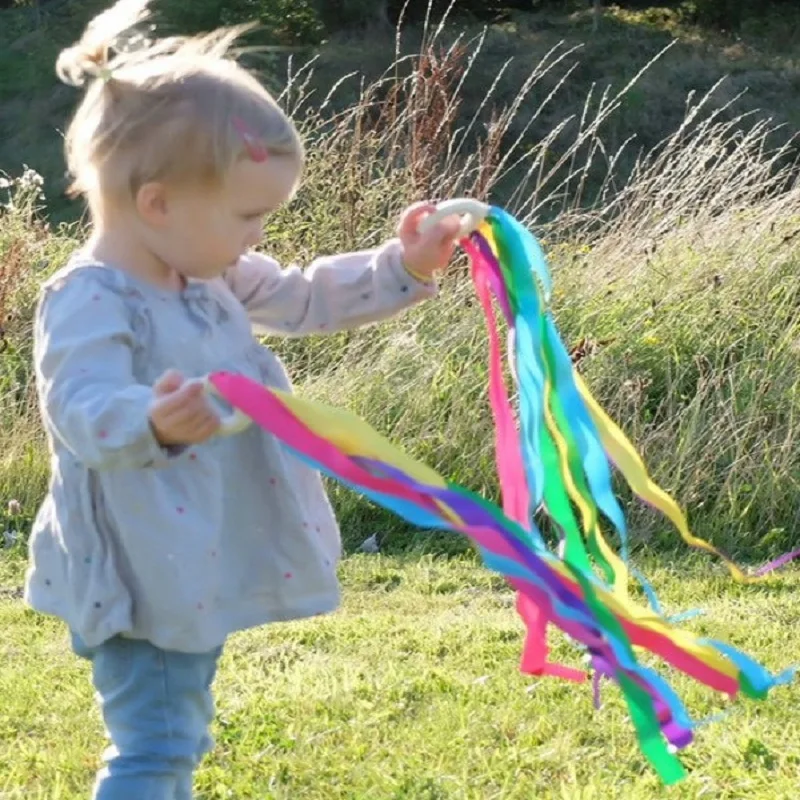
{"points": [[677, 286]]}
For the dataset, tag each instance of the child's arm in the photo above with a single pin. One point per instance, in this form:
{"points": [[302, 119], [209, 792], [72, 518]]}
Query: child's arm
{"points": [[83, 354], [334, 293]]}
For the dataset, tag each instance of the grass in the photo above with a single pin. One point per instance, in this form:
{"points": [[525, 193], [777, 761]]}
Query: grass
{"points": [[412, 691], [678, 291], [676, 286], [761, 62]]}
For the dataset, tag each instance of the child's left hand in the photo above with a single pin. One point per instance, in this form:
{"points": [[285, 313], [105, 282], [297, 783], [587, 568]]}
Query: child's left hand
{"points": [[429, 252]]}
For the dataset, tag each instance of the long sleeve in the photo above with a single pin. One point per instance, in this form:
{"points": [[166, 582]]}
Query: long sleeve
{"points": [[83, 353], [335, 293]]}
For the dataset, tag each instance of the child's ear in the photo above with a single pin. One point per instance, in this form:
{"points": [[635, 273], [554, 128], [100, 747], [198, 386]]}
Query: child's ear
{"points": [[152, 205]]}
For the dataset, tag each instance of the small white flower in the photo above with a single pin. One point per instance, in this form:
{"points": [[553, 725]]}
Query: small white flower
{"points": [[30, 177]]}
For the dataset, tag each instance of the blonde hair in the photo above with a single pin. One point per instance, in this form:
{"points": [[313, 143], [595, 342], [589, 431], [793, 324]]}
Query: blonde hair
{"points": [[177, 109]]}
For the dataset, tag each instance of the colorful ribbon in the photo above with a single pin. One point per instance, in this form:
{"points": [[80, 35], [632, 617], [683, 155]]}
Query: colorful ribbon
{"points": [[556, 457]]}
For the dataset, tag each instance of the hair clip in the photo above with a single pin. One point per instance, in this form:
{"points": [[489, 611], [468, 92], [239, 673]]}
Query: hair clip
{"points": [[255, 149]]}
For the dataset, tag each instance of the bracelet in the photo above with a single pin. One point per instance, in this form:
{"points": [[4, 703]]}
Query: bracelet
{"points": [[427, 279]]}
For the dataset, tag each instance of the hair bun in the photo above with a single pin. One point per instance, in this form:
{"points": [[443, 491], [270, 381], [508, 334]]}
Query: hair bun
{"points": [[89, 57]]}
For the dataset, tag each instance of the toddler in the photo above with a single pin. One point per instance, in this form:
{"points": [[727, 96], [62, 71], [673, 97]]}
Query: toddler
{"points": [[158, 539]]}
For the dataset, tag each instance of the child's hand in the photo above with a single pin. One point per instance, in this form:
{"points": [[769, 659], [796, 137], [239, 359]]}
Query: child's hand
{"points": [[180, 413], [424, 254]]}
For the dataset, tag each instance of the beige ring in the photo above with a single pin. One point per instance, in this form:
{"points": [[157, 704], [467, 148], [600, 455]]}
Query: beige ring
{"points": [[472, 213]]}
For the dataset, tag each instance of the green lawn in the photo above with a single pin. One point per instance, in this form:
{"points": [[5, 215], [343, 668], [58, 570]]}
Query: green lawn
{"points": [[412, 691]]}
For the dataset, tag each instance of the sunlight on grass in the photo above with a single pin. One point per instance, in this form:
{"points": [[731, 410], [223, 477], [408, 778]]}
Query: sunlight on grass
{"points": [[677, 282], [413, 691]]}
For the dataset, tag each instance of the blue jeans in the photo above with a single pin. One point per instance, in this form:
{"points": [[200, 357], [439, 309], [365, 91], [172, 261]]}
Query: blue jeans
{"points": [[157, 707]]}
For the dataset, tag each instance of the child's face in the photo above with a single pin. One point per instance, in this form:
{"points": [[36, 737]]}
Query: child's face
{"points": [[206, 232]]}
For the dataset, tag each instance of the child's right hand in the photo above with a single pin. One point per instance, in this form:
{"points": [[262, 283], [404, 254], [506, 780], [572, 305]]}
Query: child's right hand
{"points": [[180, 413]]}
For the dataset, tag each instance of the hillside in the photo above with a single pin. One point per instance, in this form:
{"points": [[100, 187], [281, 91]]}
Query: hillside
{"points": [[762, 61], [657, 164], [669, 213]]}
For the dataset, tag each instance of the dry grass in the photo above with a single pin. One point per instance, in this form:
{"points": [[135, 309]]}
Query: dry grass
{"points": [[683, 268], [677, 287]]}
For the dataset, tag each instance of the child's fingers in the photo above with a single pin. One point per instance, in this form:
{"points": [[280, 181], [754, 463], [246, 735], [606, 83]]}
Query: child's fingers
{"points": [[184, 415], [169, 382], [443, 232], [198, 427], [190, 429], [207, 428], [187, 415], [412, 216], [184, 397], [449, 228], [199, 420]]}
